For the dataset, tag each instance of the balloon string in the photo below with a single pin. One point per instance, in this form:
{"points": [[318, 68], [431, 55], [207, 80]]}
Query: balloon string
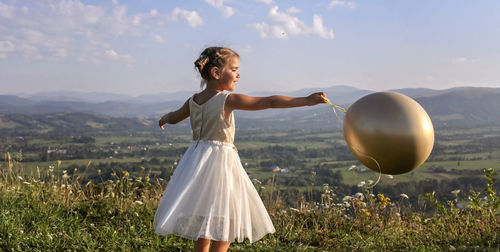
{"points": [[374, 160], [334, 107]]}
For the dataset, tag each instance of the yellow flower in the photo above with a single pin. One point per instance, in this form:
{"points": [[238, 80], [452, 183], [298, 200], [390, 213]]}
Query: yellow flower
{"points": [[367, 213], [125, 174]]}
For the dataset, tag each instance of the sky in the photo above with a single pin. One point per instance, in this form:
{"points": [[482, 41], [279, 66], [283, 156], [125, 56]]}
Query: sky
{"points": [[149, 46]]}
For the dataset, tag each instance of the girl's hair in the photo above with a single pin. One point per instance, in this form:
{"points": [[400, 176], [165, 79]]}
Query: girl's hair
{"points": [[212, 57]]}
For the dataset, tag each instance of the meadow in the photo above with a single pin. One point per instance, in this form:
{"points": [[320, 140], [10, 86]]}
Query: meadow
{"points": [[91, 188], [50, 212]]}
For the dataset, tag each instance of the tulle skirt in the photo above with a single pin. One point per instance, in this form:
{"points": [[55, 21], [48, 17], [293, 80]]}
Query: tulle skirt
{"points": [[211, 196]]}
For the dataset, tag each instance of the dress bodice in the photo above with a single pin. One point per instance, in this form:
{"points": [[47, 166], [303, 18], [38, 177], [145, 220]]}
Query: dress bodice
{"points": [[208, 121]]}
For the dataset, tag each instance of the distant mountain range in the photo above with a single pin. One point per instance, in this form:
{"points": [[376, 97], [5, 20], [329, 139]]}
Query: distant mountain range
{"points": [[455, 106]]}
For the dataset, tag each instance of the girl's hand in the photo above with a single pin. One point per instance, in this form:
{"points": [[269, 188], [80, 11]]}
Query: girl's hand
{"points": [[162, 122], [316, 98]]}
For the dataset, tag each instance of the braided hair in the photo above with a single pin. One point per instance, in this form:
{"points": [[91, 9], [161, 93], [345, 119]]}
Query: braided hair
{"points": [[212, 57]]}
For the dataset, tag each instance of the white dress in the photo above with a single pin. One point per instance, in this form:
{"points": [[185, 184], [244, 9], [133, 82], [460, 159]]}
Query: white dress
{"points": [[210, 195]]}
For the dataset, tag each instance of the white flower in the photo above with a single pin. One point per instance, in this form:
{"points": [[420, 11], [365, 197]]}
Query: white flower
{"points": [[65, 176], [404, 196], [347, 198], [256, 181], [455, 192], [370, 181], [361, 184], [351, 168], [359, 195]]}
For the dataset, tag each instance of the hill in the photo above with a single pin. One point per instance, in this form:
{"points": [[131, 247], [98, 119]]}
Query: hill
{"points": [[463, 106]]}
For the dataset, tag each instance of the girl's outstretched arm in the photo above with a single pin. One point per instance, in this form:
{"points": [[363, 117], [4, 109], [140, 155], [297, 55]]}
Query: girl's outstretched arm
{"points": [[175, 116], [245, 102]]}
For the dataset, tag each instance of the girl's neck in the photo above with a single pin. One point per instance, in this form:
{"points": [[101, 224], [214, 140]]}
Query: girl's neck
{"points": [[213, 88]]}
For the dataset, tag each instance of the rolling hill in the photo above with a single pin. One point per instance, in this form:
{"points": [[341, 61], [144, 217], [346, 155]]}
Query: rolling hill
{"points": [[463, 106]]}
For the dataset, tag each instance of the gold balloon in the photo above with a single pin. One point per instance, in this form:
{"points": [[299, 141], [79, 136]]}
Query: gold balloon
{"points": [[392, 129]]}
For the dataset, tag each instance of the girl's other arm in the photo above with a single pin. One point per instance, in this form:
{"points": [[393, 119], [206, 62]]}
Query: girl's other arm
{"points": [[245, 102], [175, 116]]}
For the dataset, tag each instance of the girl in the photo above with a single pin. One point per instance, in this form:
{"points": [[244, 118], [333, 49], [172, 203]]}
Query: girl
{"points": [[210, 196]]}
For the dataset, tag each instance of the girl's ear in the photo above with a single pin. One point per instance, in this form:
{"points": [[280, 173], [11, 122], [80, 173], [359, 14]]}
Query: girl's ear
{"points": [[215, 71]]}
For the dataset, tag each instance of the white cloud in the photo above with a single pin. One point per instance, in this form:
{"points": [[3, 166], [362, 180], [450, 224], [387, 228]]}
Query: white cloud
{"points": [[265, 1], [293, 10], [464, 60], [346, 4], [219, 4], [6, 11], [125, 58], [191, 17], [284, 25], [158, 38], [6, 47], [319, 29], [30, 52], [53, 29]]}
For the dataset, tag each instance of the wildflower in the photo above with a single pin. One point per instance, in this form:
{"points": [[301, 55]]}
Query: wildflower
{"points": [[359, 195], [370, 181], [256, 181], [404, 196], [361, 184], [59, 163], [455, 192], [347, 198], [125, 174], [146, 179], [75, 170], [65, 176], [98, 171], [351, 168], [142, 168], [367, 213], [320, 231]]}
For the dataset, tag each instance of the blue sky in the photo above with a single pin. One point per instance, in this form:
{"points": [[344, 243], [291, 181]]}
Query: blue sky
{"points": [[146, 46]]}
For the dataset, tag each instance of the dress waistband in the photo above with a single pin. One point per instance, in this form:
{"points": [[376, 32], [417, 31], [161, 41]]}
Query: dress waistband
{"points": [[215, 142]]}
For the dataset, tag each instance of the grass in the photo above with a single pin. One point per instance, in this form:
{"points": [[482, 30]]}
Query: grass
{"points": [[51, 211]]}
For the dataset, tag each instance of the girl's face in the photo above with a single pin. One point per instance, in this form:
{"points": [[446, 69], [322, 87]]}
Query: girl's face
{"points": [[230, 74]]}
